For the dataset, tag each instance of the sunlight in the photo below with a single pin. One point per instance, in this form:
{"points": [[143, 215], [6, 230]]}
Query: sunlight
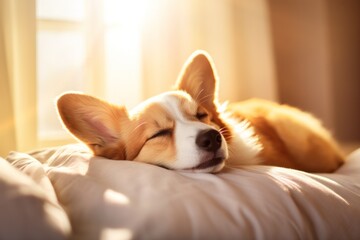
{"points": [[69, 10], [125, 12], [124, 21], [116, 197], [116, 233], [89, 46]]}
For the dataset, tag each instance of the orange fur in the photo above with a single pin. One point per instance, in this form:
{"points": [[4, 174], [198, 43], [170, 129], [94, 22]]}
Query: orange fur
{"points": [[290, 138], [95, 122], [109, 132], [152, 119]]}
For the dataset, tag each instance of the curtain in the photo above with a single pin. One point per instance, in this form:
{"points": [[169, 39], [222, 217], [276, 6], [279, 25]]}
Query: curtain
{"points": [[236, 33], [17, 75]]}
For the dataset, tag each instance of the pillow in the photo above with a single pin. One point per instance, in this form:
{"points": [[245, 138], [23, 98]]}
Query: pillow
{"points": [[122, 199], [109, 199], [27, 211]]}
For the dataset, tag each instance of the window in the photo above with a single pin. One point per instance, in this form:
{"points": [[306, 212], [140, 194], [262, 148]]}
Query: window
{"points": [[92, 46]]}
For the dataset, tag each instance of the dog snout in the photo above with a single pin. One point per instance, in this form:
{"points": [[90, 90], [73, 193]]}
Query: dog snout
{"points": [[209, 140]]}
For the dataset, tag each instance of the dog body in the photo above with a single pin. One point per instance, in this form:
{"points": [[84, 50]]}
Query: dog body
{"points": [[187, 129]]}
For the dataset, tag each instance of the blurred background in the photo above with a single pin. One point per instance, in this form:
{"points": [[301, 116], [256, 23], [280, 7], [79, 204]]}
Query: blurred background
{"points": [[301, 52]]}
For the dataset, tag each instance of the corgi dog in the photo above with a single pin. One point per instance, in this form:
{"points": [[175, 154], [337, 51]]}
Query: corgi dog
{"points": [[187, 129]]}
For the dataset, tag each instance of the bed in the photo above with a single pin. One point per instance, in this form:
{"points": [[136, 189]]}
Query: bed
{"points": [[65, 192]]}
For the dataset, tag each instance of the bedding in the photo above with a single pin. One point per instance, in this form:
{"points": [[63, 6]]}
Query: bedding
{"points": [[28, 207], [108, 199]]}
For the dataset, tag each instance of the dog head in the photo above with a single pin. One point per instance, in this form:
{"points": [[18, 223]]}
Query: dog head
{"points": [[179, 129]]}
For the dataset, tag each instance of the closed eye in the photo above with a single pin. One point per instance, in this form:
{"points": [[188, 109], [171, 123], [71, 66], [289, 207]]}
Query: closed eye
{"points": [[162, 133], [201, 115]]}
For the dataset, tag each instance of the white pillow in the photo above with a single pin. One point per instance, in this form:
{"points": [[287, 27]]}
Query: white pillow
{"points": [[122, 199], [26, 210], [107, 199]]}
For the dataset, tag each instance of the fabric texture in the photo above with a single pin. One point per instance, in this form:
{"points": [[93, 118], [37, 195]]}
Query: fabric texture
{"points": [[108, 199], [29, 211]]}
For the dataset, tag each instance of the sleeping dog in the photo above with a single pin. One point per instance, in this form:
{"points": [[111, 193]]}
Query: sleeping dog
{"points": [[187, 129]]}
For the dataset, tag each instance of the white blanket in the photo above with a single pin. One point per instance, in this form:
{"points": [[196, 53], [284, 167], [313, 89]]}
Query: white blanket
{"points": [[107, 199]]}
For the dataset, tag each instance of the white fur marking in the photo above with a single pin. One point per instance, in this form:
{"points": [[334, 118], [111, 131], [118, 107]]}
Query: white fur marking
{"points": [[245, 146], [188, 154]]}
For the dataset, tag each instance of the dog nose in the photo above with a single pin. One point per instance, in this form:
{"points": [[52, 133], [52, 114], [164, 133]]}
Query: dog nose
{"points": [[209, 140]]}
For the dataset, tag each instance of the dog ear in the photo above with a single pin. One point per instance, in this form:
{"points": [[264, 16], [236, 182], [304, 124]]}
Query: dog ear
{"points": [[199, 78], [94, 122]]}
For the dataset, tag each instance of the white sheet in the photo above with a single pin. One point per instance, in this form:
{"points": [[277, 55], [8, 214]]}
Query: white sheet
{"points": [[107, 199], [28, 209]]}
